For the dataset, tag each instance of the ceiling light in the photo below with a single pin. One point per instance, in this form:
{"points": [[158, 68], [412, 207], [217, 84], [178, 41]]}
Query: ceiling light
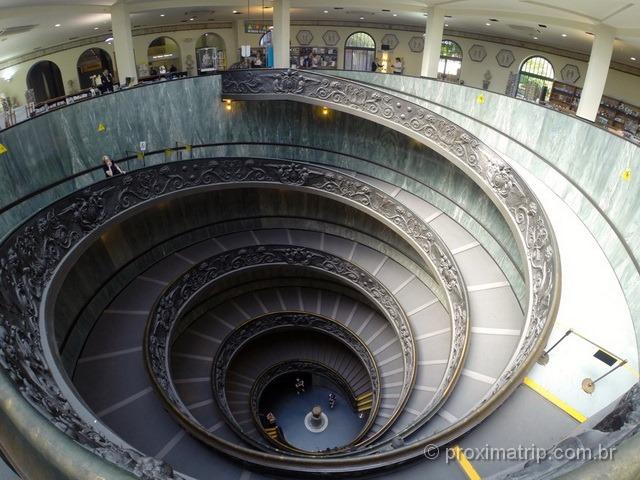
{"points": [[446, 24], [395, 14], [535, 38], [57, 25], [488, 24], [633, 59], [326, 11], [361, 18], [96, 28], [110, 39], [162, 14], [564, 34], [236, 12]]}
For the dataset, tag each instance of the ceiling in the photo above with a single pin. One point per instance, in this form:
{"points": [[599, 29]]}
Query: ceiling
{"points": [[31, 25]]}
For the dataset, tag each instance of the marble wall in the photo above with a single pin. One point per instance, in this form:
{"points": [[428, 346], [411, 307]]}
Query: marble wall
{"points": [[581, 163], [190, 112]]}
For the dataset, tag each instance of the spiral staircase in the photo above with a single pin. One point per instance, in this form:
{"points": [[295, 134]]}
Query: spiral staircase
{"points": [[154, 325]]}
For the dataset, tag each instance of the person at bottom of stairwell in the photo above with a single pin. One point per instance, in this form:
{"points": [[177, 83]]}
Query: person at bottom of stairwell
{"points": [[332, 400], [299, 386]]}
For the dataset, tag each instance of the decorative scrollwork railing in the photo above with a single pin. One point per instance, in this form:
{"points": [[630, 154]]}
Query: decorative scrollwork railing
{"points": [[164, 319], [267, 324], [492, 173], [33, 252]]}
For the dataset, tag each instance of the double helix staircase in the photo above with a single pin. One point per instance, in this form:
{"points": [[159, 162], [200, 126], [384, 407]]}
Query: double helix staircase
{"points": [[145, 316]]}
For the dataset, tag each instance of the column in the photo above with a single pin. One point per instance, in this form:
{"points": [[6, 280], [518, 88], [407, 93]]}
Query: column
{"points": [[281, 33], [123, 43], [597, 72], [432, 42]]}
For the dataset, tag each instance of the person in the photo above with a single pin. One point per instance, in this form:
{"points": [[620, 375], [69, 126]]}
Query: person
{"points": [[153, 71], [173, 69], [299, 386], [271, 418], [315, 61], [374, 66], [398, 67], [307, 62], [106, 80], [332, 400], [110, 168]]}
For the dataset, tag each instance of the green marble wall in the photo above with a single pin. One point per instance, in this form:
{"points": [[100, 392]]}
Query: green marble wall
{"points": [[189, 111], [581, 163]]}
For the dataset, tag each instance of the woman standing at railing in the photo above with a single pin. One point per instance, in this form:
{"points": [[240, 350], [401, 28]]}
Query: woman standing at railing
{"points": [[110, 168]]}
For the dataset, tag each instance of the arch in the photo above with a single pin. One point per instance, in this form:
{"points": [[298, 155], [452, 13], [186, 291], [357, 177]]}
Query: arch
{"points": [[359, 52], [210, 52], [164, 52], [45, 79], [535, 79], [92, 61], [450, 63]]}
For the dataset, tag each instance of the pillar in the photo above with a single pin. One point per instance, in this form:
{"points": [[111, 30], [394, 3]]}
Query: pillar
{"points": [[597, 72], [281, 33], [123, 42], [432, 42]]}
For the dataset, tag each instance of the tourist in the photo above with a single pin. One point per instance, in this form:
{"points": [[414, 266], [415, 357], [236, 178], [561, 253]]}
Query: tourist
{"points": [[299, 386], [332, 400], [110, 168], [398, 67]]}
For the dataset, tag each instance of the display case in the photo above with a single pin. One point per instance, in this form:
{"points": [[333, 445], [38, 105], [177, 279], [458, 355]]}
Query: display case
{"points": [[315, 57], [615, 115]]}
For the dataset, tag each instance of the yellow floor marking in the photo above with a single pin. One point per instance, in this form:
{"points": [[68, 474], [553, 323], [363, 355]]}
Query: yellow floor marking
{"points": [[465, 464], [555, 400]]}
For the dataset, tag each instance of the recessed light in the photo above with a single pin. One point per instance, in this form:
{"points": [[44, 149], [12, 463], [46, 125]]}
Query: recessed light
{"points": [[326, 11], [96, 28], [395, 14], [633, 59], [564, 34], [361, 18], [535, 38], [162, 14], [446, 24], [57, 25], [191, 19], [236, 12], [488, 24]]}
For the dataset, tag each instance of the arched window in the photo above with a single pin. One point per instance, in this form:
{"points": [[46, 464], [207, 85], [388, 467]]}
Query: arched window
{"points": [[210, 53], [92, 62], [45, 80], [359, 52], [450, 61], [535, 79], [164, 55]]}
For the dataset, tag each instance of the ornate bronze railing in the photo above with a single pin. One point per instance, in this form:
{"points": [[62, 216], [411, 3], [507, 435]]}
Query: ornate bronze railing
{"points": [[164, 320], [508, 191], [267, 324]]}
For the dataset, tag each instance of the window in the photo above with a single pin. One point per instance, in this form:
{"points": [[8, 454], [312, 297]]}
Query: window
{"points": [[92, 62], [535, 79], [45, 80], [163, 55], [450, 61], [359, 52]]}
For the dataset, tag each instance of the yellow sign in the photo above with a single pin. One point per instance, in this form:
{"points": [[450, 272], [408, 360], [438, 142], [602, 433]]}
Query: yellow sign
{"points": [[480, 99], [187, 148], [168, 152], [3, 149], [102, 128], [626, 175], [140, 155]]}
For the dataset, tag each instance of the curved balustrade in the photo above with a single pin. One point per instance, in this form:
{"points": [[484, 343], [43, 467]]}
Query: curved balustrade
{"points": [[492, 173], [32, 255], [236, 340]]}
